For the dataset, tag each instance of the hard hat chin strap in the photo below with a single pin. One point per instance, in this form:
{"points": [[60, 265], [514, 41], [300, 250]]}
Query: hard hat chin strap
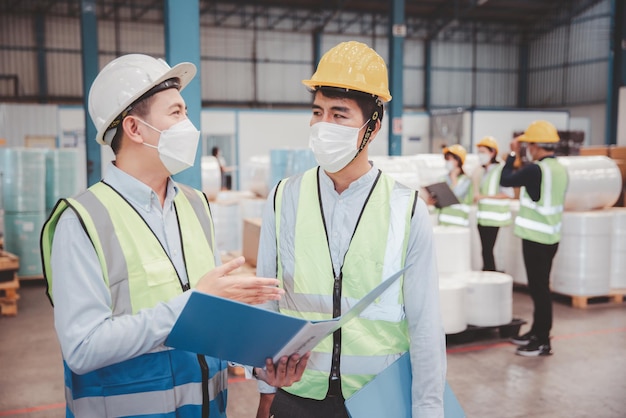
{"points": [[371, 125]]}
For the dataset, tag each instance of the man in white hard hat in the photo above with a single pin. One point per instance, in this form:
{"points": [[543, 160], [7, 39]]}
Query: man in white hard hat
{"points": [[121, 262], [332, 233], [538, 223]]}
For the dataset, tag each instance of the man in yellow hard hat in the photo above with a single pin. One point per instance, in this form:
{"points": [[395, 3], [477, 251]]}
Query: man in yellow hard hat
{"points": [[331, 234], [538, 223], [122, 258]]}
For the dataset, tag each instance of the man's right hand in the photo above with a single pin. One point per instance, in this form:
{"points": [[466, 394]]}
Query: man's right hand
{"points": [[246, 289]]}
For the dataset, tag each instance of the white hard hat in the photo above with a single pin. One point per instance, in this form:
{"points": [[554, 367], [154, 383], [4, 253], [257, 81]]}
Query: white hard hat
{"points": [[125, 80]]}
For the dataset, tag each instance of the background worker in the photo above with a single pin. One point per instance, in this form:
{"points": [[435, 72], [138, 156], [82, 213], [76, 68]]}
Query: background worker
{"points": [[121, 257], [538, 224], [334, 232], [493, 200], [461, 185]]}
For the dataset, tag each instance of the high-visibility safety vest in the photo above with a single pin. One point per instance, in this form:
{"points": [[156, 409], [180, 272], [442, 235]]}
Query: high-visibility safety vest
{"points": [[139, 273], [377, 249], [541, 221], [493, 212], [458, 214]]}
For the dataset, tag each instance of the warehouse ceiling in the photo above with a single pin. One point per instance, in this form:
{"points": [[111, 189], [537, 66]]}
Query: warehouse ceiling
{"points": [[425, 19]]}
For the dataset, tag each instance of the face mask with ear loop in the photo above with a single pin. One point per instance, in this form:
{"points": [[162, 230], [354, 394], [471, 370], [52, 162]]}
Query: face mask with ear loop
{"points": [[334, 146], [177, 145]]}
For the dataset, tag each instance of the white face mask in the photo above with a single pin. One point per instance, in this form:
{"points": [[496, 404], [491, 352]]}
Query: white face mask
{"points": [[333, 145], [450, 165], [177, 145], [529, 156], [484, 158]]}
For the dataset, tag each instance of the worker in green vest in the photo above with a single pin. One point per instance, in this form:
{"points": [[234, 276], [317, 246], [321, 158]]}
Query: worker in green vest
{"points": [[122, 258], [461, 185], [493, 200], [334, 232], [538, 223]]}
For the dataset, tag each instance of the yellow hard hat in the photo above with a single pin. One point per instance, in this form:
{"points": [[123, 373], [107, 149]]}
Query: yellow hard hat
{"points": [[457, 150], [355, 66], [490, 142], [540, 131]]}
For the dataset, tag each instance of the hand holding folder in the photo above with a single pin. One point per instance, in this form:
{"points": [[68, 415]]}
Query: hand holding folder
{"points": [[442, 194], [248, 335]]}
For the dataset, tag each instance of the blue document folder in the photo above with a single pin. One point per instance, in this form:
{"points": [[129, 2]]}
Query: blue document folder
{"points": [[248, 335], [389, 395]]}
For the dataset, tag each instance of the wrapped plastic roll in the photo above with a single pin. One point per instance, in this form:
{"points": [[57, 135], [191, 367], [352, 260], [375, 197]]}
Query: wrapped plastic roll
{"points": [[403, 169], [21, 237], [24, 178], [489, 299], [452, 293], [61, 175], [452, 245], [618, 249], [255, 175], [594, 182], [278, 165], [299, 160], [211, 176], [582, 263]]}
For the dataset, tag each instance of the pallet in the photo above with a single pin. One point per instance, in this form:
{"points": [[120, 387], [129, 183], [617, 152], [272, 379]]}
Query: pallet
{"points": [[9, 297], [474, 333], [583, 302]]}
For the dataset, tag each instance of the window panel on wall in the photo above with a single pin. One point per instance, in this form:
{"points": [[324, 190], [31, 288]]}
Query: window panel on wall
{"points": [[16, 31], [229, 81], [65, 76], [282, 83], [496, 89], [590, 40], [451, 55], [282, 46], [545, 88], [451, 88], [22, 65], [413, 91], [144, 38], [550, 49], [413, 53], [497, 57], [219, 43], [106, 36], [62, 33], [586, 83]]}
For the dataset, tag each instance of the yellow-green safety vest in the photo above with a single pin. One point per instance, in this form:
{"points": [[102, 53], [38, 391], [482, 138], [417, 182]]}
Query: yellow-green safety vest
{"points": [[458, 214], [541, 221], [493, 212], [140, 275], [378, 248]]}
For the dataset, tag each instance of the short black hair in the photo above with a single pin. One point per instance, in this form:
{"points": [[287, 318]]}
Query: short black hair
{"points": [[368, 103]]}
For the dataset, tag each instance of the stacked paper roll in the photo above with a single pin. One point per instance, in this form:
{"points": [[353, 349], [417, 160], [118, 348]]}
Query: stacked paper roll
{"points": [[255, 175], [61, 175], [594, 182], [618, 249], [489, 300], [476, 257], [211, 176], [452, 295], [582, 264], [452, 245]]}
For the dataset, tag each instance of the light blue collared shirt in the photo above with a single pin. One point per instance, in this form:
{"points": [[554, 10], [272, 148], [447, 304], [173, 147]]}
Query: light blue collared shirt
{"points": [[89, 337], [421, 288]]}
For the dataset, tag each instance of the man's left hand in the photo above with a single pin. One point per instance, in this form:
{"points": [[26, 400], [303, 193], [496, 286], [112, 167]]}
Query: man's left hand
{"points": [[285, 372]]}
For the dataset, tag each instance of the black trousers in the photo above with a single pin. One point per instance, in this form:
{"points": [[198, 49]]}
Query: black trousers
{"points": [[488, 235], [286, 405], [538, 261]]}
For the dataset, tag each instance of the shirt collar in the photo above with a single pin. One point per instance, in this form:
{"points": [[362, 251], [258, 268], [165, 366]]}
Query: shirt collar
{"points": [[133, 190], [365, 181]]}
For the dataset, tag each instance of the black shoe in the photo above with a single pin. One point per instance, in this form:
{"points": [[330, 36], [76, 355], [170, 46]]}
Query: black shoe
{"points": [[535, 348], [522, 339]]}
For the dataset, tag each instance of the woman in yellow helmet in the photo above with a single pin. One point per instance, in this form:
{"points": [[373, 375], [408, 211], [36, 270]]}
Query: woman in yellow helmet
{"points": [[460, 183], [492, 199]]}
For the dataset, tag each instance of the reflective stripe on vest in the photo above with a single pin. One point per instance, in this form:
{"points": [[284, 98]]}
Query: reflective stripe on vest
{"points": [[458, 214], [541, 221], [492, 212], [139, 274], [379, 335]]}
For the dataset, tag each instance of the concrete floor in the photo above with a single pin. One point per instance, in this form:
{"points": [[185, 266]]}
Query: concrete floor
{"points": [[584, 378]]}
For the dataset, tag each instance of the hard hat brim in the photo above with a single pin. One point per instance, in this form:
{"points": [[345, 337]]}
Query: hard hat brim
{"points": [[185, 72], [525, 138], [313, 84]]}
